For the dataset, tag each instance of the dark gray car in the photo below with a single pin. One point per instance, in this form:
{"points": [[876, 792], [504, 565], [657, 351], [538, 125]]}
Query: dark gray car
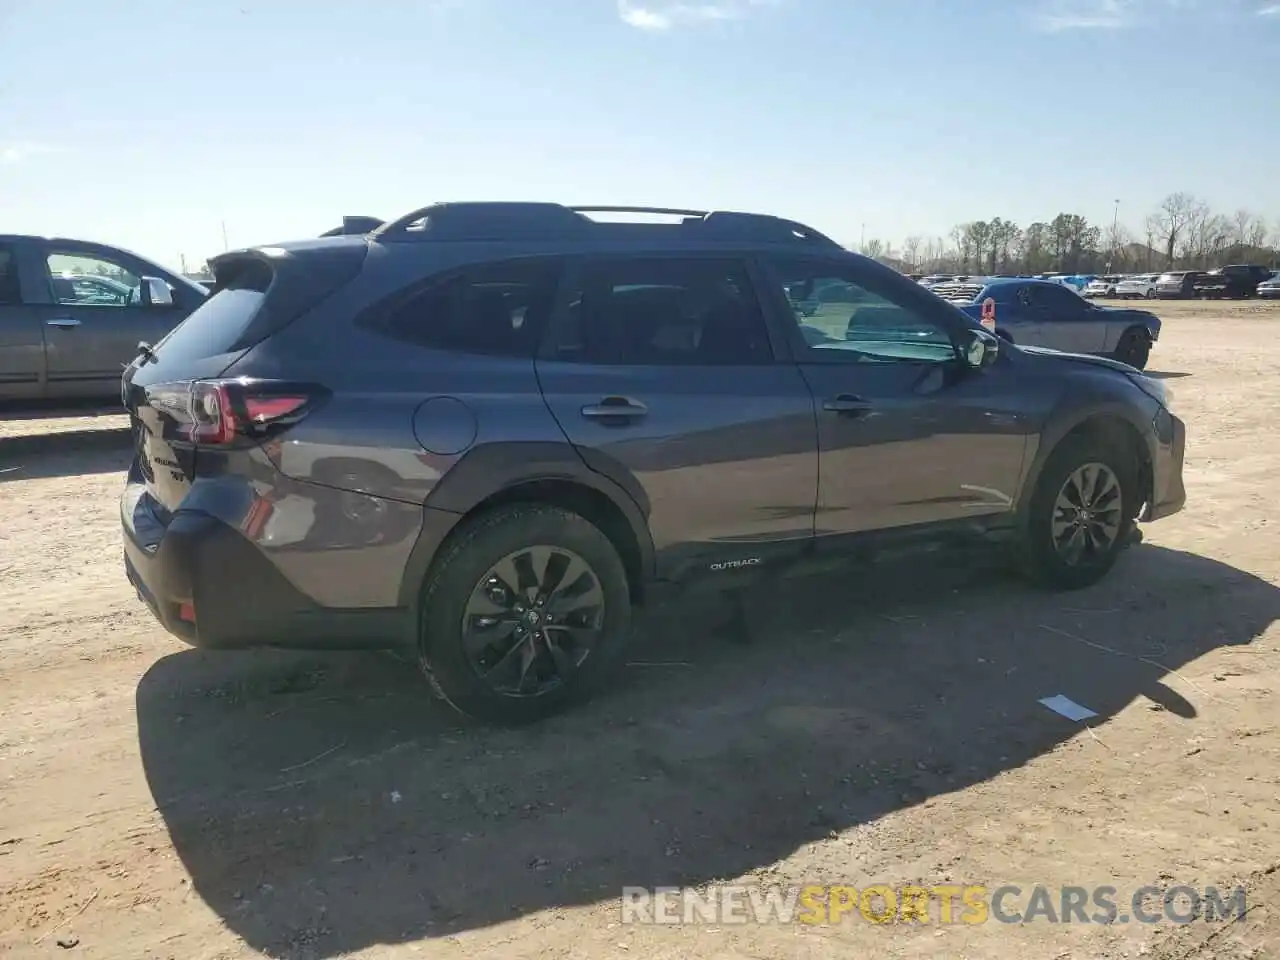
{"points": [[483, 433], [72, 314]]}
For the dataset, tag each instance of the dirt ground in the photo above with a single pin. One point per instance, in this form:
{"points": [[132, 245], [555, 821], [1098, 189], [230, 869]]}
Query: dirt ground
{"points": [[160, 802]]}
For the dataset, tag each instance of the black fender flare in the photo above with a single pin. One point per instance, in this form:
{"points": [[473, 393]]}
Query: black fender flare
{"points": [[492, 469], [1062, 424]]}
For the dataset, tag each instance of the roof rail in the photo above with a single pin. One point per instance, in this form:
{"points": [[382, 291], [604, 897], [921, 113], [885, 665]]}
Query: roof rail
{"points": [[495, 220]]}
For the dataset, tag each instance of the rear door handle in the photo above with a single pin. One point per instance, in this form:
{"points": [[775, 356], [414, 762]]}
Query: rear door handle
{"points": [[64, 322], [615, 408], [847, 404]]}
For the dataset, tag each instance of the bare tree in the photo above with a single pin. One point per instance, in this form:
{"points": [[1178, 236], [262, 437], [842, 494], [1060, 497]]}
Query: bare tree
{"points": [[1170, 221], [963, 245], [1241, 228], [875, 249], [1256, 238], [911, 251]]}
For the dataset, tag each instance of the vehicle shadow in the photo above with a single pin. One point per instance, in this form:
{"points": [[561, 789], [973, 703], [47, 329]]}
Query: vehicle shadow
{"points": [[64, 453], [322, 804], [1163, 375]]}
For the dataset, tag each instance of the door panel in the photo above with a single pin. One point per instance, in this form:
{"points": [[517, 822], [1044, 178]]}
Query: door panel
{"points": [[21, 336], [88, 347], [664, 368], [1066, 320], [932, 443], [94, 322], [906, 434]]}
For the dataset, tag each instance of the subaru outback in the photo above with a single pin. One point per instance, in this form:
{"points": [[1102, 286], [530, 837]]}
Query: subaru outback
{"points": [[485, 432]]}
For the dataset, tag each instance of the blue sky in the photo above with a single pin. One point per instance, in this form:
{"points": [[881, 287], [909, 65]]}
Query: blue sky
{"points": [[150, 123]]}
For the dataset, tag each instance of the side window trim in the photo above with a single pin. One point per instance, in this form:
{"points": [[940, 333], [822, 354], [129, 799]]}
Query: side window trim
{"points": [[848, 270], [559, 331]]}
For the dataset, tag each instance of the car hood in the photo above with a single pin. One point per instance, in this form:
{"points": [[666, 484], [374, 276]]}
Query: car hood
{"points": [[1079, 357]]}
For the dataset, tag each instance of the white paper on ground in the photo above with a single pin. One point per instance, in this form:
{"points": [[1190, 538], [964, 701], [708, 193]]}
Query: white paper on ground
{"points": [[1067, 707]]}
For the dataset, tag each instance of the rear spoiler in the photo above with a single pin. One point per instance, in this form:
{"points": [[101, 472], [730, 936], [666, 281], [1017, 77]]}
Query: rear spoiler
{"points": [[354, 225]]}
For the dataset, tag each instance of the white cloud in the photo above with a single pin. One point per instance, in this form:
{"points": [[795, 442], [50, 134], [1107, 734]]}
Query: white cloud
{"points": [[659, 15], [1055, 16], [1085, 15], [21, 150]]}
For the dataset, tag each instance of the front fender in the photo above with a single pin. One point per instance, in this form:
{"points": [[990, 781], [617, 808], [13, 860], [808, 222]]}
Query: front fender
{"points": [[1064, 421]]}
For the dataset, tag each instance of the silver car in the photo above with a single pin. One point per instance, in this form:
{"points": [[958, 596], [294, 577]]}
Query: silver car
{"points": [[1142, 286]]}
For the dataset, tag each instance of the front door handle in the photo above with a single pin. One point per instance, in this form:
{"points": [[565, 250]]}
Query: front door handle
{"points": [[64, 322], [848, 405], [615, 408]]}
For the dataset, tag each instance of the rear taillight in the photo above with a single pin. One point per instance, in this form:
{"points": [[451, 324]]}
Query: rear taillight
{"points": [[223, 412]]}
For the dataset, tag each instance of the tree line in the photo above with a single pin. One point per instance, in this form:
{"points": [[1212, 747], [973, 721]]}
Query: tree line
{"points": [[1183, 232]]}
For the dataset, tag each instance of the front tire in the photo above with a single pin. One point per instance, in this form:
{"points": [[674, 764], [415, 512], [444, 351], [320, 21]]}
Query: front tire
{"points": [[527, 612], [1081, 514], [1134, 349]]}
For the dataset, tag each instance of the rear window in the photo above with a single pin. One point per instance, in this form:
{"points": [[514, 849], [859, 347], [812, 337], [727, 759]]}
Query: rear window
{"points": [[216, 327]]}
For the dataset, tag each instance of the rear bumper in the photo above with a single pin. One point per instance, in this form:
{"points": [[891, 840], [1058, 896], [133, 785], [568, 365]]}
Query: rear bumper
{"points": [[211, 587], [1168, 494]]}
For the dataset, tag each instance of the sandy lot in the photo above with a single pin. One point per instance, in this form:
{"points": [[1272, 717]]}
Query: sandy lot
{"points": [[160, 802]]}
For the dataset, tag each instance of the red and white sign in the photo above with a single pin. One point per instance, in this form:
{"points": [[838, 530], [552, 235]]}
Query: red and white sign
{"points": [[989, 314]]}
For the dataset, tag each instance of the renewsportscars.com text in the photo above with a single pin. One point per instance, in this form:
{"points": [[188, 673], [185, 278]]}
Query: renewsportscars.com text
{"points": [[946, 904]]}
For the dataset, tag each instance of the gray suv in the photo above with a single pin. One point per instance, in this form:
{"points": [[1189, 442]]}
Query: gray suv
{"points": [[486, 432]]}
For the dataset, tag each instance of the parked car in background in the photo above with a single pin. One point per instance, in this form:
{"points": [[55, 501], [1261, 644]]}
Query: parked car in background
{"points": [[1102, 286], [1237, 281], [600, 413], [1270, 289], [1043, 313], [1177, 284], [936, 278], [1141, 286], [72, 314]]}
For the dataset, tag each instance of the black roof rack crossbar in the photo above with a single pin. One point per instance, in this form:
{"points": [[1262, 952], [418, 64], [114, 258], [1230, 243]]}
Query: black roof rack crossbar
{"points": [[496, 220]]}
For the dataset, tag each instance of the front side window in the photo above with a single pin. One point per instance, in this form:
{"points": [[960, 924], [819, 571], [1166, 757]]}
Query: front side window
{"points": [[841, 320], [664, 312], [498, 309], [90, 281]]}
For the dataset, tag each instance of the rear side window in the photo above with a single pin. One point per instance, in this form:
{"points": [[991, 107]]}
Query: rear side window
{"points": [[10, 292], [499, 309], [665, 312]]}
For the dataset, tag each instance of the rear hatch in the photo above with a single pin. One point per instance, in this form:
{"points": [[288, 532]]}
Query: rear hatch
{"points": [[173, 388]]}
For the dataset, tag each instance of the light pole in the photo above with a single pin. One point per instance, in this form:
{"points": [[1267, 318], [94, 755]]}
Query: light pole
{"points": [[1115, 238]]}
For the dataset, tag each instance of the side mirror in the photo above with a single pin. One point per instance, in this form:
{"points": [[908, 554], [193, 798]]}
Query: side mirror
{"points": [[156, 293], [980, 349]]}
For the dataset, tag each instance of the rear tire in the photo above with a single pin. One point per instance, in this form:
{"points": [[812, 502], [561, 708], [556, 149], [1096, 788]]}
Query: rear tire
{"points": [[1134, 348], [469, 660], [1045, 552]]}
